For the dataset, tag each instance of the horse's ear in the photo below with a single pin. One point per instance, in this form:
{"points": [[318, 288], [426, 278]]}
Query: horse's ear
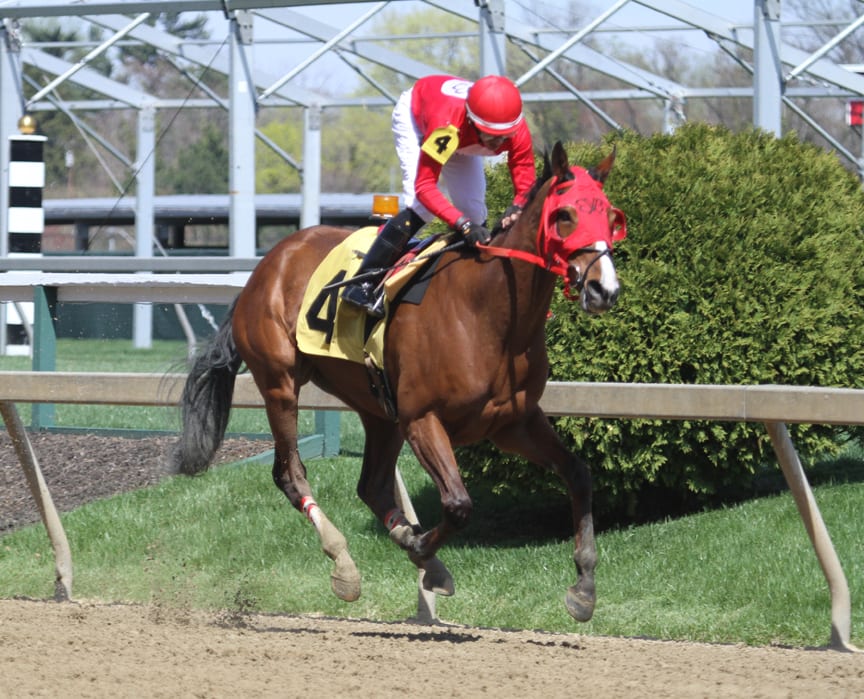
{"points": [[560, 165], [602, 169], [547, 167]]}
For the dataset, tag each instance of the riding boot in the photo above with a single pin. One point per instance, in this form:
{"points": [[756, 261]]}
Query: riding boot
{"points": [[385, 250]]}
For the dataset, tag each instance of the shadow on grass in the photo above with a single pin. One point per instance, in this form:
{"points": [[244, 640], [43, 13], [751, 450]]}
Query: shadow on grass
{"points": [[522, 519], [515, 518], [499, 520]]}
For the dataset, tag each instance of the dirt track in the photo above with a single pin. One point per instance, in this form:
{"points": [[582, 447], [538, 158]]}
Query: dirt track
{"points": [[96, 650]]}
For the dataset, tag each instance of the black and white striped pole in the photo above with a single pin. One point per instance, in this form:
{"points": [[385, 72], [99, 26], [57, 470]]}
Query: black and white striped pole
{"points": [[25, 220]]}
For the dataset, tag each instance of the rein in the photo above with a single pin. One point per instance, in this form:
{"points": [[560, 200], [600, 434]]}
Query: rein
{"points": [[555, 266]]}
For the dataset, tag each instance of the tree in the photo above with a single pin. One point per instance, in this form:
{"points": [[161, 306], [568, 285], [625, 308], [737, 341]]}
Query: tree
{"points": [[201, 167], [95, 170], [360, 141], [142, 62], [65, 140], [272, 173]]}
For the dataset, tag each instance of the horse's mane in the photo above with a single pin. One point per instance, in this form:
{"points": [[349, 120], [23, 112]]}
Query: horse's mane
{"points": [[545, 174]]}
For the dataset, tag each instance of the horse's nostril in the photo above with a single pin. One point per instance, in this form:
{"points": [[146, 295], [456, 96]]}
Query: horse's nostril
{"points": [[595, 289], [599, 293]]}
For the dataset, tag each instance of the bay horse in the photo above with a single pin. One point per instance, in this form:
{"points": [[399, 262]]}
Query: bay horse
{"points": [[468, 363]]}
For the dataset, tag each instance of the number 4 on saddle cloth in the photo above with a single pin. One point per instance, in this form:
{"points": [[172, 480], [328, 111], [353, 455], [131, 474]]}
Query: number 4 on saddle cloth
{"points": [[326, 326]]}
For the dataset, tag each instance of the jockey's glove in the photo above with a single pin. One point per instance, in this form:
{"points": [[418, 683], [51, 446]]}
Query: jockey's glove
{"points": [[510, 215], [512, 209], [474, 233]]}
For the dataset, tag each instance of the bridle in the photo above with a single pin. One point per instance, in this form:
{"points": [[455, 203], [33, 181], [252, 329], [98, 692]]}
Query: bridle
{"points": [[579, 283], [595, 225]]}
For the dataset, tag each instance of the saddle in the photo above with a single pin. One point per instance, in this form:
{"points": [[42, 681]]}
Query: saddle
{"points": [[328, 327]]}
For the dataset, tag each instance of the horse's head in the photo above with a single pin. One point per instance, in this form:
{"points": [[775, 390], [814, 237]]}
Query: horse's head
{"points": [[577, 229]]}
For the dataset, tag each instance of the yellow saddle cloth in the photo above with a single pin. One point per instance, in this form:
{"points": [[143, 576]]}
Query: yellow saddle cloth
{"points": [[327, 326]]}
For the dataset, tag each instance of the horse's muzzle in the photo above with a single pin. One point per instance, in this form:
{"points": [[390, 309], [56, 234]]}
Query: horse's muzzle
{"points": [[597, 298]]}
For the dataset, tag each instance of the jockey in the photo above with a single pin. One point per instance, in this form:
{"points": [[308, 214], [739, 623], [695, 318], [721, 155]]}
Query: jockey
{"points": [[443, 128]]}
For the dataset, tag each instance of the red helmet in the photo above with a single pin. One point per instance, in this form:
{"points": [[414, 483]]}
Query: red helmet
{"points": [[495, 105]]}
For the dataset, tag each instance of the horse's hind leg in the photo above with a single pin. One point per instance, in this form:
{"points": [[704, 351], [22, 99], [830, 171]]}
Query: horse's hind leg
{"points": [[289, 474], [537, 441], [264, 326]]}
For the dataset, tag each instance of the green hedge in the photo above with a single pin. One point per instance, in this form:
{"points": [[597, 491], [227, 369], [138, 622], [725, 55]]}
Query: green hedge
{"points": [[744, 264]]}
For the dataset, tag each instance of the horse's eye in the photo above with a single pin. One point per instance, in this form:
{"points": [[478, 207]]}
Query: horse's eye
{"points": [[564, 223]]}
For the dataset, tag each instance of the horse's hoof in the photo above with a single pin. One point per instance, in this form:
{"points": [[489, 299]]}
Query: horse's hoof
{"points": [[403, 536], [579, 603], [436, 578], [345, 578]]}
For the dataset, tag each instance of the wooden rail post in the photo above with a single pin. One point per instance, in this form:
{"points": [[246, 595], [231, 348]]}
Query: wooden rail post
{"points": [[426, 612], [841, 603], [42, 496]]}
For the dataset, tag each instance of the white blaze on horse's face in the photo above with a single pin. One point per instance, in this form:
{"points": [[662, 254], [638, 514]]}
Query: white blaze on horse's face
{"points": [[593, 270]]}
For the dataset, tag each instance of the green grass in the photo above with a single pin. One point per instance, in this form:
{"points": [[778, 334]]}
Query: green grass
{"points": [[107, 355], [229, 540]]}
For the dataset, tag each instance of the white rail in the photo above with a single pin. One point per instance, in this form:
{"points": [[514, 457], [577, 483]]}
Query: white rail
{"points": [[144, 287]]}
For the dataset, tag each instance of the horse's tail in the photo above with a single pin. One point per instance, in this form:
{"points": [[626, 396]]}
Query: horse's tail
{"points": [[206, 401]]}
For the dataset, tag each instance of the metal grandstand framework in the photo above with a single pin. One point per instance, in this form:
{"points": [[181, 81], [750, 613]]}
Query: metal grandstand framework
{"points": [[783, 76]]}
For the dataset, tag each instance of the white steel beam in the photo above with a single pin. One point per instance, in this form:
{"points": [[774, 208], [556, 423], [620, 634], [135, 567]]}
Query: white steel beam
{"points": [[320, 31], [64, 8], [815, 56], [323, 49], [200, 56], [721, 29], [493, 41], [241, 144], [310, 213], [99, 50], [578, 53], [86, 77], [767, 67], [145, 179], [572, 41]]}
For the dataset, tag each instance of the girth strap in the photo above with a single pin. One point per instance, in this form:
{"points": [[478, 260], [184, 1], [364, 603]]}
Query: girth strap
{"points": [[380, 388]]}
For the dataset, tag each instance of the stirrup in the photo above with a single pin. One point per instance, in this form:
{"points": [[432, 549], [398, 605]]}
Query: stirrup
{"points": [[363, 296]]}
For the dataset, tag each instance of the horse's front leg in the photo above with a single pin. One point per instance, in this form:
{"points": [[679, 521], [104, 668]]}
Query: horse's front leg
{"points": [[431, 445], [378, 489], [535, 440]]}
